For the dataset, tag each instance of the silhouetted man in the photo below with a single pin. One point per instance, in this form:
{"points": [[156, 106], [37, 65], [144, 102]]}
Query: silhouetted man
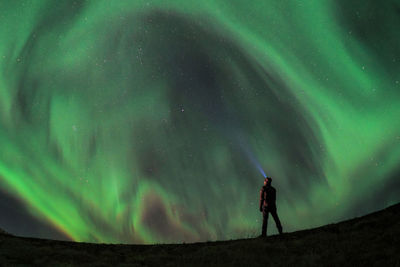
{"points": [[268, 205]]}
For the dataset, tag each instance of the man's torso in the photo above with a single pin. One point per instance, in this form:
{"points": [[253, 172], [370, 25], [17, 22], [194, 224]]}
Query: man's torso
{"points": [[269, 196]]}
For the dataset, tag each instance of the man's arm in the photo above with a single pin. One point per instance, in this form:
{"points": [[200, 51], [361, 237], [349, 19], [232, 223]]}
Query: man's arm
{"points": [[261, 198]]}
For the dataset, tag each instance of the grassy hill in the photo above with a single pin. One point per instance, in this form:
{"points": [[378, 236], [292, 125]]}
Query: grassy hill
{"points": [[371, 240]]}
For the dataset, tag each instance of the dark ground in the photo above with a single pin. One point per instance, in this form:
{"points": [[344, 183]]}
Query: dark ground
{"points": [[372, 240]]}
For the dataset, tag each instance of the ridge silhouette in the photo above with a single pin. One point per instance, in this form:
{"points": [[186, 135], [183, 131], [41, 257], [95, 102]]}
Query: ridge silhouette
{"points": [[372, 239]]}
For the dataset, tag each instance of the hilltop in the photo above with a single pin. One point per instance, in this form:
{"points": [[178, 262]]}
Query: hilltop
{"points": [[3, 232], [371, 240]]}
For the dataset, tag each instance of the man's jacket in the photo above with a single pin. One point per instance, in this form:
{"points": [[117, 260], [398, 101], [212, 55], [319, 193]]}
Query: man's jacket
{"points": [[267, 196]]}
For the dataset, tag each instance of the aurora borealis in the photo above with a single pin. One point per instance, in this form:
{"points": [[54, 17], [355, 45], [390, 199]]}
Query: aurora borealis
{"points": [[143, 121]]}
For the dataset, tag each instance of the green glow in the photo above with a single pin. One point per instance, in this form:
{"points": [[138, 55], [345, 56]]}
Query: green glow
{"points": [[110, 135]]}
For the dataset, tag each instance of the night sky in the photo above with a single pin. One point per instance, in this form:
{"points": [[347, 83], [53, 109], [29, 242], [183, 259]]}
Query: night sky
{"points": [[153, 121]]}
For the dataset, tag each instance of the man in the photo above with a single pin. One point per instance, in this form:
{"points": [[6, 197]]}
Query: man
{"points": [[268, 205]]}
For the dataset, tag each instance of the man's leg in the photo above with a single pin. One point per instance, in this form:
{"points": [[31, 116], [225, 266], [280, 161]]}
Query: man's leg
{"points": [[265, 222], [276, 219]]}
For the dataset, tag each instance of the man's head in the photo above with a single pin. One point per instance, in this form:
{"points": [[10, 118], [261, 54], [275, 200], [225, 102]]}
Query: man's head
{"points": [[267, 181]]}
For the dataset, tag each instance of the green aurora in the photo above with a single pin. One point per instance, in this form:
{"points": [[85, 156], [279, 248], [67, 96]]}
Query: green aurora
{"points": [[139, 121]]}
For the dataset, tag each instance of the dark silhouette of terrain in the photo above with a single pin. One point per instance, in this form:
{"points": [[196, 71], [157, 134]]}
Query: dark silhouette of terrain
{"points": [[2, 232], [371, 240]]}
